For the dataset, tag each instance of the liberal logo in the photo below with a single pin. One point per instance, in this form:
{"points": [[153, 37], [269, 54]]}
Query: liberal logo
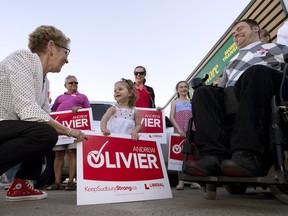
{"points": [[152, 186]]}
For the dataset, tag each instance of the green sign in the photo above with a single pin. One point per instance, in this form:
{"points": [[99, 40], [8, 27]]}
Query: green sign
{"points": [[215, 67]]}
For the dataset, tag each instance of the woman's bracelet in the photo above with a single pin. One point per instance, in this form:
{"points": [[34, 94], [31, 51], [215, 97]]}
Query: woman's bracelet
{"points": [[69, 131]]}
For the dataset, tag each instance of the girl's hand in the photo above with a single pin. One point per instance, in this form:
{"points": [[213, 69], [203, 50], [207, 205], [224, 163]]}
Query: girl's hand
{"points": [[158, 109], [182, 134], [105, 132], [134, 136]]}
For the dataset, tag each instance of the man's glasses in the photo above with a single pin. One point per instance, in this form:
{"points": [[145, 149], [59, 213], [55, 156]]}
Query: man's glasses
{"points": [[71, 83], [139, 73], [67, 50]]}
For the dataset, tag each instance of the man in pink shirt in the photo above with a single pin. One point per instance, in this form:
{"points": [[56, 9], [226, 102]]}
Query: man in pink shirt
{"points": [[70, 100]]}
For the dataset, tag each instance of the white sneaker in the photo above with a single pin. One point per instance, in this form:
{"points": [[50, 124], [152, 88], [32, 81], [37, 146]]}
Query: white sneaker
{"points": [[195, 185], [180, 185]]}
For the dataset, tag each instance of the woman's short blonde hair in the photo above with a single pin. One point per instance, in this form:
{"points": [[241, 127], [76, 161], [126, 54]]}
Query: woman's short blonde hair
{"points": [[39, 39]]}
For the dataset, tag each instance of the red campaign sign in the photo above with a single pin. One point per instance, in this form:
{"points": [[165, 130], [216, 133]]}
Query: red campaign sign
{"points": [[176, 147], [151, 121], [80, 120], [120, 159]]}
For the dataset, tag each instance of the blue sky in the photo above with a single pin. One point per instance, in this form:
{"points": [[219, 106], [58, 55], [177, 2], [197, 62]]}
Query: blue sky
{"points": [[110, 37]]}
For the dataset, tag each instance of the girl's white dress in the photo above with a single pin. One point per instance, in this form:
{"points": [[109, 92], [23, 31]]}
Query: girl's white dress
{"points": [[122, 121]]}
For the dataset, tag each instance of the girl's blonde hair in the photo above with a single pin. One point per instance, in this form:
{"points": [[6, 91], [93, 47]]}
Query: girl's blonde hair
{"points": [[130, 86]]}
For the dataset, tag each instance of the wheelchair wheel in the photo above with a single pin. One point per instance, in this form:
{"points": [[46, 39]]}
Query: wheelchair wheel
{"points": [[236, 188], [209, 191], [279, 191]]}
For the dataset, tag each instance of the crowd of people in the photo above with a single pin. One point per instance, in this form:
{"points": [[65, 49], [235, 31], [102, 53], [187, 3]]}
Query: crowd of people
{"points": [[26, 124], [25, 113]]}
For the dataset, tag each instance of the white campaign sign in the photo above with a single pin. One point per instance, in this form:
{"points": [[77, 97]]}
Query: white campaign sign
{"points": [[82, 120], [175, 157], [153, 125], [175, 149], [118, 169]]}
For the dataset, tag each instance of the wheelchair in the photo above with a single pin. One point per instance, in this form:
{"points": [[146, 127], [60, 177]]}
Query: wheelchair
{"points": [[276, 175]]}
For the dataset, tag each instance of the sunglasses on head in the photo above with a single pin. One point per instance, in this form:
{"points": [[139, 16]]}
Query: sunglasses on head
{"points": [[139, 73], [71, 83]]}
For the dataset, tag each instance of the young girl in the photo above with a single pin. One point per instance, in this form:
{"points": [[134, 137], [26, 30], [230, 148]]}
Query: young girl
{"points": [[180, 113], [122, 118]]}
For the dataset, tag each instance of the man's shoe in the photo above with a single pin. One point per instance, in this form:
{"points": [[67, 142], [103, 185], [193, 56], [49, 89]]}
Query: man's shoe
{"points": [[243, 164], [206, 166], [23, 190]]}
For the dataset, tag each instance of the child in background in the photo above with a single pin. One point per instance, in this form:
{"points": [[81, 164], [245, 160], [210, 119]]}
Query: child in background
{"points": [[180, 113], [122, 118]]}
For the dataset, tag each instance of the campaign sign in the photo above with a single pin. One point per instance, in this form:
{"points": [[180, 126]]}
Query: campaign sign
{"points": [[82, 120], [115, 168], [153, 124], [175, 158]]}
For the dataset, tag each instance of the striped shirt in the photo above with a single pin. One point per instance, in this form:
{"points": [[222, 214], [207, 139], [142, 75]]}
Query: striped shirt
{"points": [[257, 53]]}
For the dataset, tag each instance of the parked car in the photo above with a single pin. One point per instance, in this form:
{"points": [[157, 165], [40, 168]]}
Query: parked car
{"points": [[98, 109]]}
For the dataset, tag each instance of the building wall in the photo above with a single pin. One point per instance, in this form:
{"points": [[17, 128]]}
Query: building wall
{"points": [[270, 16]]}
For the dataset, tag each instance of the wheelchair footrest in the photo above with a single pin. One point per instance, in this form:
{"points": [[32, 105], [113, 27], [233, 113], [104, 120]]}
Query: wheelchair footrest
{"points": [[277, 177]]}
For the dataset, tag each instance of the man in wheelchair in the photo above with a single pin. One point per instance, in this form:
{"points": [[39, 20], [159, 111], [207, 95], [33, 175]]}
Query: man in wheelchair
{"points": [[253, 77]]}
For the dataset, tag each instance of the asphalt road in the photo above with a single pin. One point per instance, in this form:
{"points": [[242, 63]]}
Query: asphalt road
{"points": [[187, 202]]}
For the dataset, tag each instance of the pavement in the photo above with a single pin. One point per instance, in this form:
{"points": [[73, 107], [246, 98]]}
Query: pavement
{"points": [[186, 202]]}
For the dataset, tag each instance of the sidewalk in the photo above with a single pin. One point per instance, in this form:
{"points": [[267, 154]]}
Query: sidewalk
{"points": [[64, 203], [184, 203]]}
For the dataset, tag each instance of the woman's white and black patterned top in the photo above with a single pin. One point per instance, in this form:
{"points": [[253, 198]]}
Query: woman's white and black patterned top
{"points": [[23, 91], [122, 121]]}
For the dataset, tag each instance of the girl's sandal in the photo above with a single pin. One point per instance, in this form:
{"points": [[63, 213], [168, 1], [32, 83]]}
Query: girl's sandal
{"points": [[54, 186]]}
